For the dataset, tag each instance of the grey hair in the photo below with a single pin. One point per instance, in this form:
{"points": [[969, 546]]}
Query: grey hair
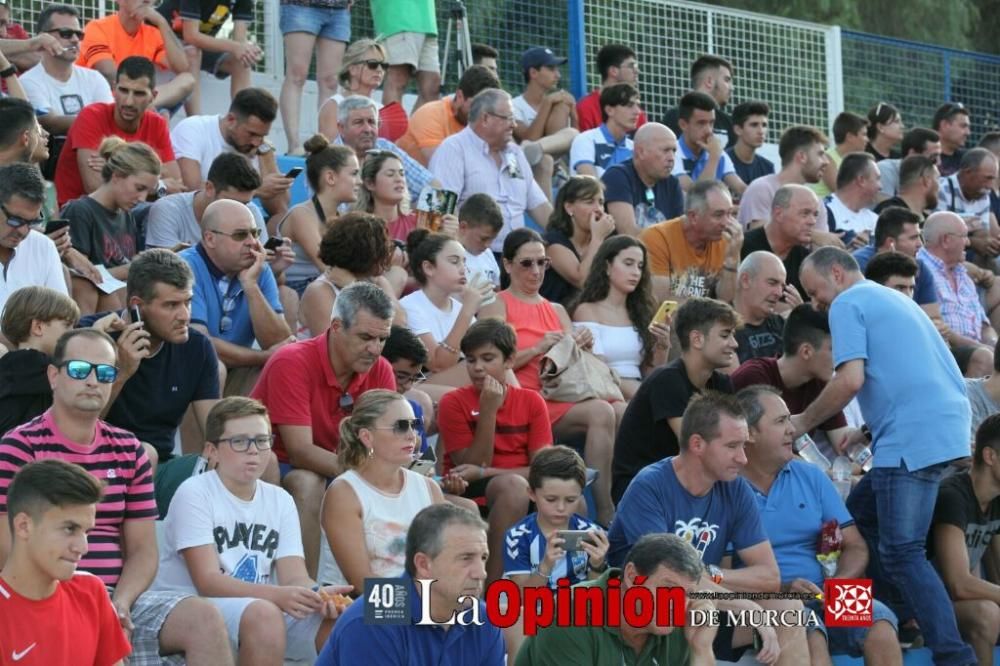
{"points": [[485, 102], [697, 196], [825, 258], [654, 550], [362, 295], [354, 103], [428, 527], [783, 197], [754, 261], [974, 158], [749, 398], [937, 225]]}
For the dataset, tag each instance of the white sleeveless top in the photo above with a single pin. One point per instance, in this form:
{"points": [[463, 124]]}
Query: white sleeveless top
{"points": [[385, 518], [619, 346]]}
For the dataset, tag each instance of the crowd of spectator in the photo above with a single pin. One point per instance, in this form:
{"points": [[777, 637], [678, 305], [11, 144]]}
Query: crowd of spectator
{"points": [[224, 405]]}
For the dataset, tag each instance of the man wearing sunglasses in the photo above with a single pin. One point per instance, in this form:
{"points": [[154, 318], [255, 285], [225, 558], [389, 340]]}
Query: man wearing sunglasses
{"points": [[123, 552], [58, 88], [235, 300]]}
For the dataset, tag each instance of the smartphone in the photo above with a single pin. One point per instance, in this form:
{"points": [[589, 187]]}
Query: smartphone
{"points": [[293, 172], [134, 314], [274, 242], [667, 308], [573, 538], [424, 467], [55, 225]]}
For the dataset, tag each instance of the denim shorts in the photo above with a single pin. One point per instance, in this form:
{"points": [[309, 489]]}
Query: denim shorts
{"points": [[850, 640], [334, 24]]}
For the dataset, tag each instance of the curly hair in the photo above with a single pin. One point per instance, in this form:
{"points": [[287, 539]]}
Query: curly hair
{"points": [[639, 304], [357, 242]]}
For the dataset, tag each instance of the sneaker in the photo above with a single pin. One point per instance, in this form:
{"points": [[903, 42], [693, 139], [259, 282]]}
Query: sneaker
{"points": [[533, 152]]}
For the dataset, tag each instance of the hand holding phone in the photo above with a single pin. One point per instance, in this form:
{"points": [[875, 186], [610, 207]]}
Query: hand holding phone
{"points": [[55, 225], [293, 172], [666, 309], [572, 539], [134, 314], [274, 242]]}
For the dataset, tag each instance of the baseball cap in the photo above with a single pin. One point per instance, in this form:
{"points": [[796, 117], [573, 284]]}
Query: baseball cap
{"points": [[540, 57]]}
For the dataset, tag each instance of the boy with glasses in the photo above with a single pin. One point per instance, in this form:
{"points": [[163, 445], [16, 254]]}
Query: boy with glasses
{"points": [[123, 551], [235, 540]]}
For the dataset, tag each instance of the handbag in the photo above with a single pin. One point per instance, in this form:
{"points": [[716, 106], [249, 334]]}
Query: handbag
{"points": [[570, 374]]}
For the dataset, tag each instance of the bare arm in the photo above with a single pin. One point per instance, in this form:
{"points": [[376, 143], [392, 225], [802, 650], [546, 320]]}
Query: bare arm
{"points": [[233, 355], [89, 178], [624, 214], [316, 307], [586, 170], [269, 327], [759, 573], [176, 57], [140, 560], [343, 523], [190, 172], [304, 454], [536, 130], [853, 554], [541, 213], [952, 558], [56, 124], [328, 120], [209, 580]]}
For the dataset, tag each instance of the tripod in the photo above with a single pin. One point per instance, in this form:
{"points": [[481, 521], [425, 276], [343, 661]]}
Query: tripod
{"points": [[463, 45]]}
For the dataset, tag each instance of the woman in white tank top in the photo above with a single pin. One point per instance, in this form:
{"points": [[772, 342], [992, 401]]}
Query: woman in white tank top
{"points": [[368, 509], [616, 304]]}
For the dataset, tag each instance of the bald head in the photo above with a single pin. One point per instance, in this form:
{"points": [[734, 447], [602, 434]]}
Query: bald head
{"points": [[655, 149], [939, 225], [652, 132], [788, 195], [223, 213], [759, 262]]}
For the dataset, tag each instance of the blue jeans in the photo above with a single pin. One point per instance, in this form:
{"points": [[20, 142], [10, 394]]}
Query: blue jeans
{"points": [[893, 507]]}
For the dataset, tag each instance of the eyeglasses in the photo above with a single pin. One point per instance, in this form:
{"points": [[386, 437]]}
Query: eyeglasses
{"points": [[375, 64], [403, 426], [506, 119], [16, 221], [542, 263], [239, 235], [346, 403], [405, 378], [80, 370], [67, 33], [241, 443]]}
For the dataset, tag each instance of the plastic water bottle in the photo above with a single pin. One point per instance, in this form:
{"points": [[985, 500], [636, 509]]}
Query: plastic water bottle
{"points": [[841, 474], [861, 455], [808, 451]]}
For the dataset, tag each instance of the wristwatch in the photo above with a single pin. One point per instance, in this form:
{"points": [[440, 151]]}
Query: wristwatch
{"points": [[600, 569], [264, 148], [715, 573]]}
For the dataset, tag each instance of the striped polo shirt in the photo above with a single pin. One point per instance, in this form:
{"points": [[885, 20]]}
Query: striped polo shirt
{"points": [[115, 458]]}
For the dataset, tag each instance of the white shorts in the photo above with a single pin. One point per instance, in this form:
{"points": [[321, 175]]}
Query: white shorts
{"points": [[300, 641], [415, 49]]}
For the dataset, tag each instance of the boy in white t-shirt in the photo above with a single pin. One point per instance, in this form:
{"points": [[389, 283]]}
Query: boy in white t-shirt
{"points": [[236, 540], [479, 223]]}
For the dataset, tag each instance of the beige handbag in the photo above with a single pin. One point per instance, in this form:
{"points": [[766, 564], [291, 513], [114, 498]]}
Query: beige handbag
{"points": [[569, 374]]}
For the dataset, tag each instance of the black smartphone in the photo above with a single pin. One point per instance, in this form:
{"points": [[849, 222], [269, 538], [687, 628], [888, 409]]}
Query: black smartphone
{"points": [[274, 242], [293, 172], [134, 314], [55, 225]]}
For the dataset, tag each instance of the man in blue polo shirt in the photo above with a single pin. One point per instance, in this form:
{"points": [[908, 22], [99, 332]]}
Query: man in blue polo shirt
{"points": [[235, 299], [701, 155], [888, 353], [445, 544], [609, 144], [780, 481]]}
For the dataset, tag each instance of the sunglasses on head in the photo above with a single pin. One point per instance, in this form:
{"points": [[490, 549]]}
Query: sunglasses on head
{"points": [[80, 370], [540, 263], [239, 235], [66, 33], [17, 221], [375, 64], [403, 426]]}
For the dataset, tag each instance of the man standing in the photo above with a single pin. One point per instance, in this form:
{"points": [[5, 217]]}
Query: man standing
{"points": [[308, 389], [887, 352], [123, 551], [410, 38], [760, 291], [642, 191], [951, 122], [617, 64], [484, 158], [794, 215], [713, 76]]}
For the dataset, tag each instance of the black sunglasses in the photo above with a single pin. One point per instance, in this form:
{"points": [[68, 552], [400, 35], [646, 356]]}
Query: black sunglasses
{"points": [[540, 263], [17, 221], [375, 64], [67, 33]]}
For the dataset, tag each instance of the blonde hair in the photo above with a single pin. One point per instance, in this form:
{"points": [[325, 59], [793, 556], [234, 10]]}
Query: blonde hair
{"points": [[354, 55], [127, 159], [370, 406]]}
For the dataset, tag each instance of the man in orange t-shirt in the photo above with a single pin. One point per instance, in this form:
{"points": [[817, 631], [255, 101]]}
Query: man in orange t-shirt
{"points": [[434, 122], [138, 29], [699, 252]]}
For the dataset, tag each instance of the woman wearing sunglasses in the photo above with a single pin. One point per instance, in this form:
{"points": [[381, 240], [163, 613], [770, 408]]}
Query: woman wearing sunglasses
{"points": [[617, 305], [363, 70], [885, 131], [102, 227], [539, 325], [368, 509], [334, 177]]}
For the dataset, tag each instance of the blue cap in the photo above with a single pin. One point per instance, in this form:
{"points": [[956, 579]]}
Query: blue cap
{"points": [[540, 57]]}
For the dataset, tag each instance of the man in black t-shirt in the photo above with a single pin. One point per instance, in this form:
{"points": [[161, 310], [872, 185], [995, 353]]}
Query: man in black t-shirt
{"points": [[794, 213], [962, 544], [650, 427], [750, 127], [761, 291], [951, 122]]}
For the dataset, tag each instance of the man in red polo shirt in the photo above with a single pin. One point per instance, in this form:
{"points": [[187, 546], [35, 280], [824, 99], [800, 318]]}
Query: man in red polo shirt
{"points": [[129, 116], [310, 386]]}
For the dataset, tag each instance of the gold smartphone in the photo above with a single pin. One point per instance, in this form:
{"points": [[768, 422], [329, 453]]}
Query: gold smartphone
{"points": [[667, 309]]}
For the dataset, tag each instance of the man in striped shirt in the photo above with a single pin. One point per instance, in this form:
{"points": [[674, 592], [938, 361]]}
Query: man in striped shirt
{"points": [[123, 551]]}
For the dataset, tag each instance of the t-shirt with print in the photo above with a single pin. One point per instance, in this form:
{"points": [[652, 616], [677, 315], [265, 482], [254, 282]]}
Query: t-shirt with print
{"points": [[655, 502], [748, 172], [210, 14], [103, 236], [663, 201], [957, 505], [756, 239], [841, 218], [249, 536], [115, 458], [760, 340], [485, 262], [691, 273], [65, 98], [645, 436], [765, 371], [524, 549], [522, 425]]}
